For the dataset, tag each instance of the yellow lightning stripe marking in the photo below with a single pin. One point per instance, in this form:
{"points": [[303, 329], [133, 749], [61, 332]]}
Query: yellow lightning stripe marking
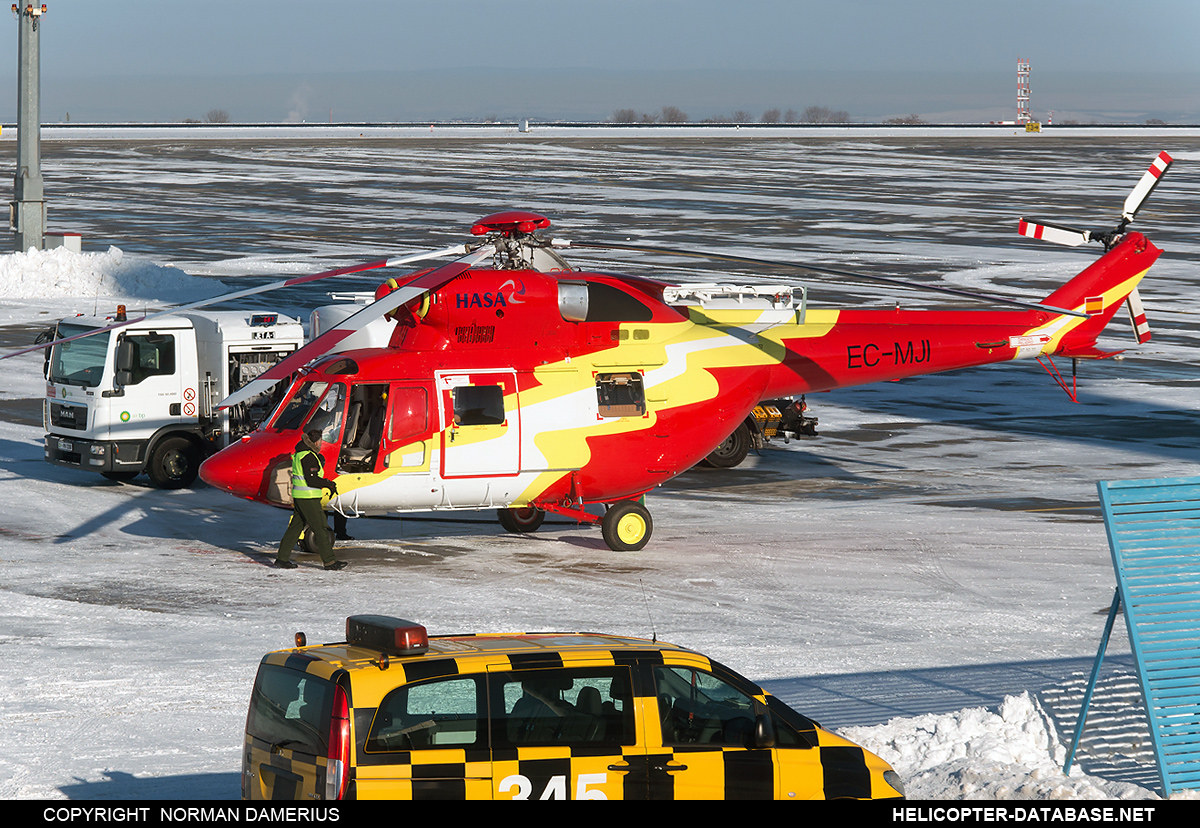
{"points": [[1060, 326]]}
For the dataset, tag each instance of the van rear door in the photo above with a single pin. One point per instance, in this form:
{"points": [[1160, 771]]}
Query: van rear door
{"points": [[287, 734]]}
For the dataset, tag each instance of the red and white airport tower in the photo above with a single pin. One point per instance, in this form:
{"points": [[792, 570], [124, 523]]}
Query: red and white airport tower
{"points": [[1022, 91]]}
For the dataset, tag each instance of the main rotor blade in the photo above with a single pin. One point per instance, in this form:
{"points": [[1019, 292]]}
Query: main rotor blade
{"points": [[827, 271], [1145, 186], [241, 294], [326, 342]]}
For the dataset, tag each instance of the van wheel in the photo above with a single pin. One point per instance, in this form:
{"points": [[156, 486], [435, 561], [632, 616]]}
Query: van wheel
{"points": [[521, 519], [626, 526], [732, 451], [174, 463]]}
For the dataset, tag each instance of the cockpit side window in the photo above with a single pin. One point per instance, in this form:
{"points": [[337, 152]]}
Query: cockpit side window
{"points": [[327, 416]]}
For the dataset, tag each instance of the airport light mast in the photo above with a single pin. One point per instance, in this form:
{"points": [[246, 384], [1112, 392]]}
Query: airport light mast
{"points": [[1022, 91], [27, 213]]}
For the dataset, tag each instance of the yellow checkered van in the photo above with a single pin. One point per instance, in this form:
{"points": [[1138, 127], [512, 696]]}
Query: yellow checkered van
{"points": [[393, 713]]}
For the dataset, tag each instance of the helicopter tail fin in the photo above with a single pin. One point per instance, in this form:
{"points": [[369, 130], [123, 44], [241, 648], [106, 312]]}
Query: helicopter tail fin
{"points": [[1100, 291]]}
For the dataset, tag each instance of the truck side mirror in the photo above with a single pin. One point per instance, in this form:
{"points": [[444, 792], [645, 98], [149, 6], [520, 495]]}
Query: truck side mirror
{"points": [[126, 359], [48, 335]]}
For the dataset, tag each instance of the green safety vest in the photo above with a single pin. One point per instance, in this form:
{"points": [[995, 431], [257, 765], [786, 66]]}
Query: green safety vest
{"points": [[300, 488]]}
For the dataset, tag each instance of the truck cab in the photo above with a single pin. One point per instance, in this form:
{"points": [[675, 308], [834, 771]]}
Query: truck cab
{"points": [[143, 397]]}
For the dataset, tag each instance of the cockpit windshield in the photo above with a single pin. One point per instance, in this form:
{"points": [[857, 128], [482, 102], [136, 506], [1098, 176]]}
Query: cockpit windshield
{"points": [[81, 361], [314, 405]]}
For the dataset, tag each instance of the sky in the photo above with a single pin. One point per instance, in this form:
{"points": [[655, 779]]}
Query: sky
{"points": [[270, 60]]}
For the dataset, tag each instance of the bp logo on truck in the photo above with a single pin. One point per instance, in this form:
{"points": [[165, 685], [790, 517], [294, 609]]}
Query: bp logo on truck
{"points": [[124, 416]]}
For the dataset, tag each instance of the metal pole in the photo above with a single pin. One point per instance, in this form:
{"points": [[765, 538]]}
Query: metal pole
{"points": [[27, 214]]}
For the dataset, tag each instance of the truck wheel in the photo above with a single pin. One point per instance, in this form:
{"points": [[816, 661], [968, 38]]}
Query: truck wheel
{"points": [[174, 463], [521, 519], [626, 526], [732, 451]]}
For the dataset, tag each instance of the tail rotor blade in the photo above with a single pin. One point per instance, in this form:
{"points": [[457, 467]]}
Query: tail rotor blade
{"points": [[1149, 180], [1057, 233]]}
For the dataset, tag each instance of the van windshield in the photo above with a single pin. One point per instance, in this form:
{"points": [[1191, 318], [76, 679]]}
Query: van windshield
{"points": [[81, 361], [290, 709]]}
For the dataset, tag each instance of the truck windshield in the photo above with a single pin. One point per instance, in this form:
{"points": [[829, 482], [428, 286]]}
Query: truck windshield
{"points": [[80, 362]]}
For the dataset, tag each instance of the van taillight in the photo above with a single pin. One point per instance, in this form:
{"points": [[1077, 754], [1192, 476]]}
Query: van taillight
{"points": [[339, 746]]}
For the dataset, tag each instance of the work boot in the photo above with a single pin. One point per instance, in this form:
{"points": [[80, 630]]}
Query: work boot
{"points": [[336, 565], [283, 564]]}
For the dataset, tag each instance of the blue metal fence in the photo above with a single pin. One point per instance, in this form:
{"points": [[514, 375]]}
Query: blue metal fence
{"points": [[1154, 534]]}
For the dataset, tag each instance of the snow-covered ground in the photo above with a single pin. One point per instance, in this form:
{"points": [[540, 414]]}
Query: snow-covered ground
{"points": [[929, 576]]}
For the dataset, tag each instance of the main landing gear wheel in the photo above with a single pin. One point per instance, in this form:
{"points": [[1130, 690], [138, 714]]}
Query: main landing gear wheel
{"points": [[309, 543], [521, 519], [626, 526], [174, 463], [732, 451]]}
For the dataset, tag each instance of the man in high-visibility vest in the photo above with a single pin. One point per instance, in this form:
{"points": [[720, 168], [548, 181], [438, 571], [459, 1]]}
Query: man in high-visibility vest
{"points": [[308, 489]]}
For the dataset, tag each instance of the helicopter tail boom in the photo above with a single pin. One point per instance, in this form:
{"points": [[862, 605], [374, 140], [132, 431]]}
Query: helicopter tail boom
{"points": [[1100, 291]]}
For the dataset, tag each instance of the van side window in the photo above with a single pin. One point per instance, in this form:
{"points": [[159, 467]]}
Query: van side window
{"points": [[697, 708], [575, 706], [447, 713]]}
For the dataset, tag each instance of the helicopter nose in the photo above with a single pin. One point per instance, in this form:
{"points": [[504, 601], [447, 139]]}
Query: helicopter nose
{"points": [[230, 469]]}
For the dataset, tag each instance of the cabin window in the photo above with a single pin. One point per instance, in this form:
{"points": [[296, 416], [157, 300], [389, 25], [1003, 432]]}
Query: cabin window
{"points": [[478, 405], [410, 415], [620, 395], [606, 303]]}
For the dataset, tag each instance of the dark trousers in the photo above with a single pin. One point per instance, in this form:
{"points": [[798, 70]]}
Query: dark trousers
{"points": [[307, 514]]}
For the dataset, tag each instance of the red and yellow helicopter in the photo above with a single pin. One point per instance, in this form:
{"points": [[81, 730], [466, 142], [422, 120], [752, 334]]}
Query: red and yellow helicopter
{"points": [[514, 382]]}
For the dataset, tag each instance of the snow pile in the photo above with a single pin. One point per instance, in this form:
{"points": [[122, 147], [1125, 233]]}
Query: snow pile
{"points": [[979, 754], [60, 273]]}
